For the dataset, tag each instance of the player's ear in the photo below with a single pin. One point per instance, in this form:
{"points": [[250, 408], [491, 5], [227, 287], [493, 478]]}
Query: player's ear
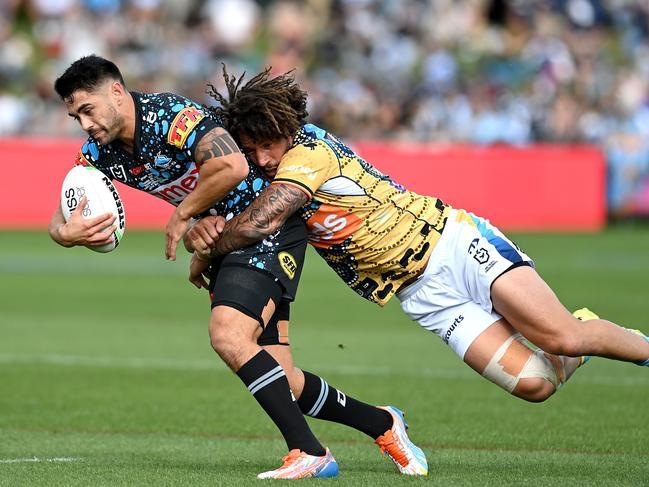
{"points": [[117, 91]]}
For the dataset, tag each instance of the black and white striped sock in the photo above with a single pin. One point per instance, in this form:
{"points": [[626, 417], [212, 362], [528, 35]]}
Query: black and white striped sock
{"points": [[320, 400], [266, 381]]}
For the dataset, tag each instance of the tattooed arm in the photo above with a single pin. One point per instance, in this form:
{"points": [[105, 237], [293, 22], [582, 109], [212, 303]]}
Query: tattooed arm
{"points": [[263, 217], [222, 168]]}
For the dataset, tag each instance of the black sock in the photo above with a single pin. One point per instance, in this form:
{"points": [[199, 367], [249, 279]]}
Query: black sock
{"points": [[266, 381], [320, 400]]}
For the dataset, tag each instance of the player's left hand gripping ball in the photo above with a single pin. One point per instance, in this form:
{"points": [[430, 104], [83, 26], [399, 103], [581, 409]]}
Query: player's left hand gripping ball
{"points": [[101, 195]]}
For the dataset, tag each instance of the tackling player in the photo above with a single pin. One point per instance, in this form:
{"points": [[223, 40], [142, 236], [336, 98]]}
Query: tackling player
{"points": [[177, 150], [453, 272]]}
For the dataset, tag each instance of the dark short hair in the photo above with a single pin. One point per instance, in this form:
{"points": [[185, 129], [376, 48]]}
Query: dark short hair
{"points": [[86, 73]]}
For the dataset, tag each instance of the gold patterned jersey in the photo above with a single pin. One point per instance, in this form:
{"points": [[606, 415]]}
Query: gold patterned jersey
{"points": [[373, 232]]}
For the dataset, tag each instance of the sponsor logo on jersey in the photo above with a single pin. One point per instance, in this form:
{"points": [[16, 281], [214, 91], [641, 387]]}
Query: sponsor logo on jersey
{"points": [[136, 171], [449, 332], [288, 264], [183, 125], [81, 160], [176, 191], [331, 225], [298, 169], [481, 255], [366, 287]]}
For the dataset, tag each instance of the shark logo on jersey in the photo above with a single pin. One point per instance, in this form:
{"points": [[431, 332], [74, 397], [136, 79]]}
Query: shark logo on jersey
{"points": [[162, 161]]}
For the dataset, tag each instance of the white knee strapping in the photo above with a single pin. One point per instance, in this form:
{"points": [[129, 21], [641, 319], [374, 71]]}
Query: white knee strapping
{"points": [[538, 365], [496, 372]]}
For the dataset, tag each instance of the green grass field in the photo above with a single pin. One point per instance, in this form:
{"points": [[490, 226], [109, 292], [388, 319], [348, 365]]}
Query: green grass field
{"points": [[107, 376]]}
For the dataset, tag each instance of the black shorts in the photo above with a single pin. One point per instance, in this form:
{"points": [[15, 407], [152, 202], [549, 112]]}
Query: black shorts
{"points": [[247, 279], [249, 290], [280, 256]]}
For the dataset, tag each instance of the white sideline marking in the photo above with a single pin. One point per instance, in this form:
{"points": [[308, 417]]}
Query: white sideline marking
{"points": [[116, 362], [461, 373], [161, 363], [37, 460], [80, 264]]}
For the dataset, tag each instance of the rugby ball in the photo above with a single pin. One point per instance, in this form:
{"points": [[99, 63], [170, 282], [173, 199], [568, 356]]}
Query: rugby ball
{"points": [[102, 197]]}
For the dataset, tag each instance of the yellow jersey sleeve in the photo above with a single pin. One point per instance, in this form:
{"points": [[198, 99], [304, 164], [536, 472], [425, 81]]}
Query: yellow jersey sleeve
{"points": [[307, 167]]}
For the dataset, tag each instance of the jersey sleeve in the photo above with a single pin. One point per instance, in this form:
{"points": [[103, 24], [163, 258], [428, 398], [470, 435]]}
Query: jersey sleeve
{"points": [[91, 155], [307, 167], [189, 125], [82, 159]]}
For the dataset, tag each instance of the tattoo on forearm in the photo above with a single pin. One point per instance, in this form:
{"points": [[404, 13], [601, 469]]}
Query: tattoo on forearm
{"points": [[267, 213], [216, 143], [275, 201]]}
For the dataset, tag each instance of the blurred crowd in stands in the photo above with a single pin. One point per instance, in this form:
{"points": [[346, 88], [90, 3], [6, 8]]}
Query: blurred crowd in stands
{"points": [[475, 71]]}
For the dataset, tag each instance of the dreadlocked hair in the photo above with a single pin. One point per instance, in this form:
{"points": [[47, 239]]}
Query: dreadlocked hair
{"points": [[264, 109]]}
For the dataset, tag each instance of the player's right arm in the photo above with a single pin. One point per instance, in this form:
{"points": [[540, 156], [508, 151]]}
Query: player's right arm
{"points": [[222, 168], [79, 230]]}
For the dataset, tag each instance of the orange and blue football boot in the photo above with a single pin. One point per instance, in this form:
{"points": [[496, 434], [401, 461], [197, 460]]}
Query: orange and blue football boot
{"points": [[300, 465], [394, 443]]}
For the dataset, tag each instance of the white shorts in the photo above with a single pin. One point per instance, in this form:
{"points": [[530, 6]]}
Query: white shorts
{"points": [[453, 296]]}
